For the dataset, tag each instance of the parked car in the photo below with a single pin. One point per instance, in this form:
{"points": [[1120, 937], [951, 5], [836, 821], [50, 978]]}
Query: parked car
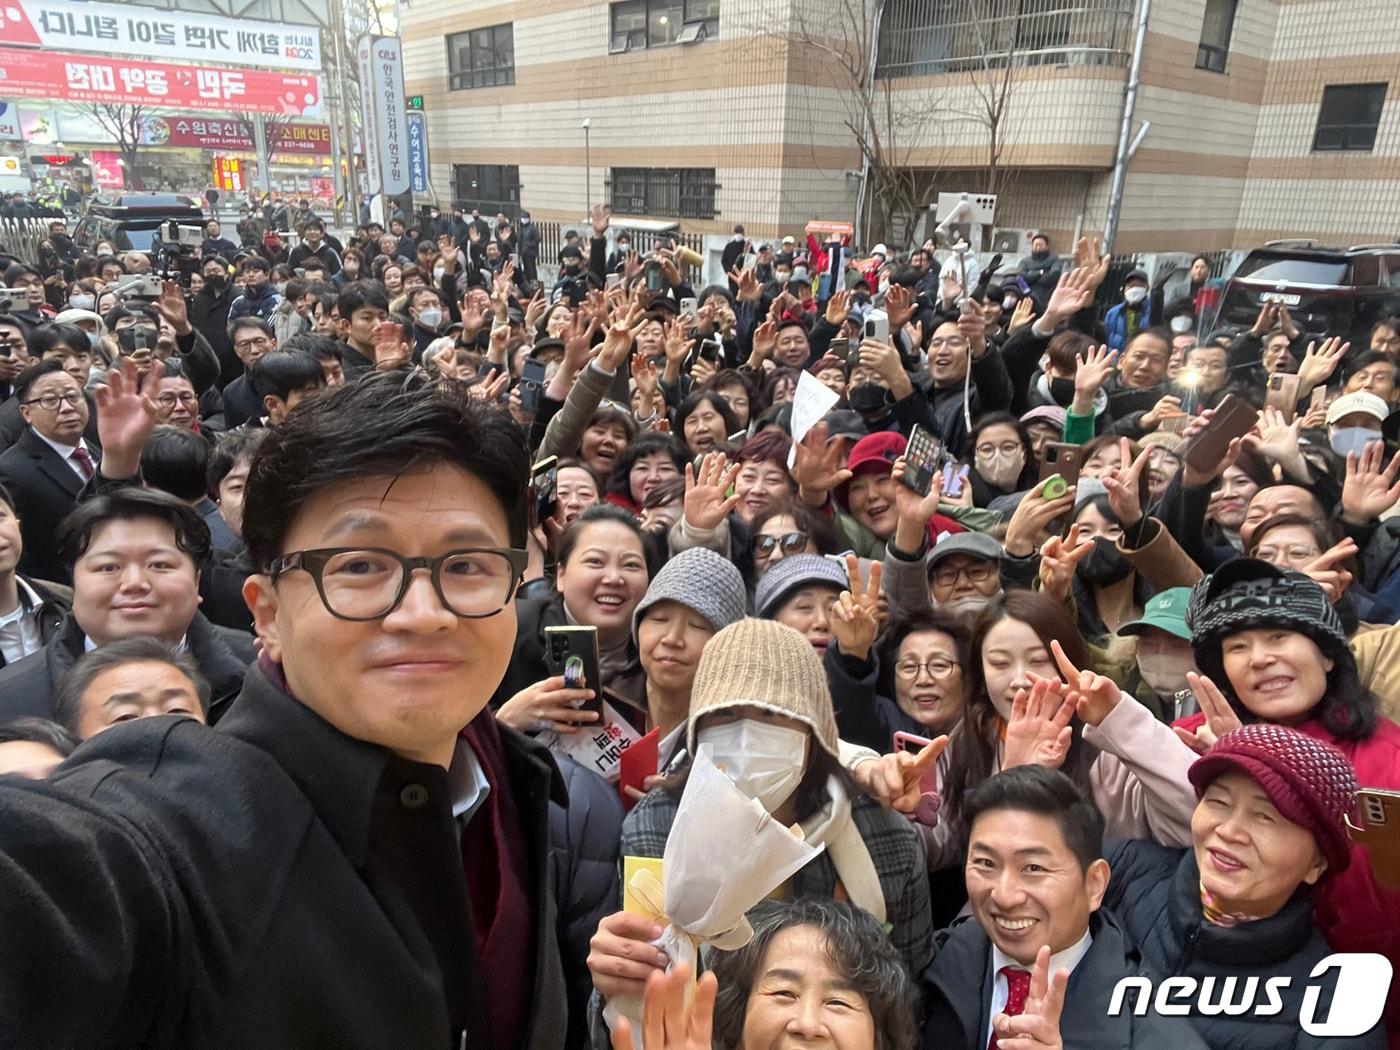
{"points": [[1343, 291], [128, 221]]}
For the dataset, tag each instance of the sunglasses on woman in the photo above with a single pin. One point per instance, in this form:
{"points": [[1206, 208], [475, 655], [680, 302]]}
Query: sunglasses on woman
{"points": [[791, 542]]}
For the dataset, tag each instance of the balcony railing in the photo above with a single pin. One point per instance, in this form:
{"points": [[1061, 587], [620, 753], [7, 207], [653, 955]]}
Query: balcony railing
{"points": [[927, 37]]}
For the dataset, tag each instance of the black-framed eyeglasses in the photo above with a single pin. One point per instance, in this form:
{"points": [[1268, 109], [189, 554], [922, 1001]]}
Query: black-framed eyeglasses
{"points": [[185, 397], [368, 583], [791, 543], [50, 402], [978, 572]]}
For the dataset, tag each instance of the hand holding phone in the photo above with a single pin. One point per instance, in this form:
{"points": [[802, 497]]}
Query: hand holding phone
{"points": [[1233, 418], [921, 461], [573, 653]]}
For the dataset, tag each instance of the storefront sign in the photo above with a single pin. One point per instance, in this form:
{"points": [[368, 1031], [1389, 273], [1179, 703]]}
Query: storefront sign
{"points": [[79, 25], [417, 152], [228, 174], [214, 134], [384, 109], [87, 78]]}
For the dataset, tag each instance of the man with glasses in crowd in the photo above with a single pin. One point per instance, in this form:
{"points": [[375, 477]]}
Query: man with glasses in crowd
{"points": [[251, 338], [421, 863]]}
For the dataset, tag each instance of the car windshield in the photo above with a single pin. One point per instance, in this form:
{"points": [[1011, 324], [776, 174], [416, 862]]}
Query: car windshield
{"points": [[137, 235], [1294, 271]]}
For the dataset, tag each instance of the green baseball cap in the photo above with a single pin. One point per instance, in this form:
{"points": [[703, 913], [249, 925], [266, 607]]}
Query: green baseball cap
{"points": [[1165, 611]]}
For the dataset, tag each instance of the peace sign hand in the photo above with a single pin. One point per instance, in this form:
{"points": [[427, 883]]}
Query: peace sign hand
{"points": [[1124, 487], [895, 781], [1094, 695], [1058, 560], [1037, 1026], [854, 619], [1220, 716]]}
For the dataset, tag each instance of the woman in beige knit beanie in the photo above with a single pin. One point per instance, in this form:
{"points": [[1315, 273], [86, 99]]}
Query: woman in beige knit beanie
{"points": [[761, 711]]}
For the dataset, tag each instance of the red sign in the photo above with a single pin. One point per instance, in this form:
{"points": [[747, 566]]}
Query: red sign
{"points": [[90, 78], [107, 170], [228, 174], [215, 134]]}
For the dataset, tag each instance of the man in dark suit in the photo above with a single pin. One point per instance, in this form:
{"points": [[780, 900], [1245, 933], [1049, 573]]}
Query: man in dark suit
{"points": [[135, 557], [48, 466], [31, 611], [1036, 877]]}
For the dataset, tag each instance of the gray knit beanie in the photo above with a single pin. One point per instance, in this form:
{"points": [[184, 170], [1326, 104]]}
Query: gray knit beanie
{"points": [[700, 580], [792, 574]]}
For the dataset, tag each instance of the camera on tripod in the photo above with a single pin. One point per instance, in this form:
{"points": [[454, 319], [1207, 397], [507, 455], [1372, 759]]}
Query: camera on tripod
{"points": [[176, 251]]}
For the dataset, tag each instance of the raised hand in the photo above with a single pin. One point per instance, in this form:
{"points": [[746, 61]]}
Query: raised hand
{"points": [[1200, 478], [912, 507], [1023, 315], [1090, 374], [899, 305], [677, 343], [1037, 1026], [1220, 716], [667, 1022], [1039, 733], [837, 307], [972, 323], [172, 306], [1124, 486], [1368, 491], [706, 501], [390, 349], [600, 217], [749, 289], [535, 309], [623, 330], [1032, 518], [817, 466], [1058, 560], [1072, 293], [1320, 362], [765, 341], [1278, 441], [854, 618], [126, 415], [491, 389], [1264, 323], [646, 378], [1094, 695]]}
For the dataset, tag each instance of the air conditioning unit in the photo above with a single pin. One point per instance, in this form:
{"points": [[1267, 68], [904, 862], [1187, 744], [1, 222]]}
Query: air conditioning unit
{"points": [[691, 33], [1009, 242]]}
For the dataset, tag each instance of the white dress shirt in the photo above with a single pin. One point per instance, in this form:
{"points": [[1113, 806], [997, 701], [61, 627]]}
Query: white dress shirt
{"points": [[66, 451], [467, 781], [19, 628], [1065, 960]]}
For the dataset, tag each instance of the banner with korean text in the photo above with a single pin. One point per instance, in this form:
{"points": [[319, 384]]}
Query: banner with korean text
{"points": [[88, 78]]}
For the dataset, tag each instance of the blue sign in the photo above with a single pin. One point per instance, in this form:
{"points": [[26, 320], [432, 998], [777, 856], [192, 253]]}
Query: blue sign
{"points": [[417, 152]]}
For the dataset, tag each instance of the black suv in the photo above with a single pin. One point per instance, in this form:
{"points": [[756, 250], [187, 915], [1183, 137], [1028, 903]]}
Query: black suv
{"points": [[1341, 291], [129, 221]]}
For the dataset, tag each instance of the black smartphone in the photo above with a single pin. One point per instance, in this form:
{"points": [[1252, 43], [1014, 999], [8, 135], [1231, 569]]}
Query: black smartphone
{"points": [[840, 347], [531, 384], [573, 653], [544, 481], [921, 461]]}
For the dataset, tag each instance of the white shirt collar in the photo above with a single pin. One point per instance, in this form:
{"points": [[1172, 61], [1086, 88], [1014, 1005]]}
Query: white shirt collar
{"points": [[29, 600], [66, 451], [467, 781], [89, 645], [1065, 960]]}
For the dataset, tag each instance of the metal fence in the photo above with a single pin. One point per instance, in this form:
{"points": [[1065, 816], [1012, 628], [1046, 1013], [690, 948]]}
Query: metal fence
{"points": [[21, 237], [927, 37]]}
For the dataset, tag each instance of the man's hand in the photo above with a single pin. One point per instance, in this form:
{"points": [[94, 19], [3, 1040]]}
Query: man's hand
{"points": [[126, 415], [601, 218], [1039, 733], [1090, 374], [1201, 478], [1058, 560], [1319, 362], [972, 323], [645, 377], [621, 956], [1124, 484], [447, 248], [707, 502], [171, 305], [899, 305], [1264, 323], [837, 307], [1073, 292], [1369, 491], [765, 341], [490, 390], [1032, 518], [855, 618], [1023, 315], [1037, 1026], [816, 466], [1220, 716], [1167, 407], [750, 291], [1327, 571], [884, 358], [1278, 442], [473, 235]]}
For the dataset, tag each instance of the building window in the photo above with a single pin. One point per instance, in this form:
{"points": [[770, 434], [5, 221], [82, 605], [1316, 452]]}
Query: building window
{"points": [[639, 24], [1349, 117], [481, 57], [682, 193], [491, 187], [1216, 27]]}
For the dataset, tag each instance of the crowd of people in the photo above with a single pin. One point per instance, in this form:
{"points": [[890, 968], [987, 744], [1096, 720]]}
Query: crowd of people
{"points": [[866, 635]]}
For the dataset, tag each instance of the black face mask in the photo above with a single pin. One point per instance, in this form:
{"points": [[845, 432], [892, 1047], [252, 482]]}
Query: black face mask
{"points": [[869, 398], [1062, 390], [1103, 566], [215, 282]]}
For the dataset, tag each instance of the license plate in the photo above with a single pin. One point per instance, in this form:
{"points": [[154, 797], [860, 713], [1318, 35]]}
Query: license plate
{"points": [[1285, 298]]}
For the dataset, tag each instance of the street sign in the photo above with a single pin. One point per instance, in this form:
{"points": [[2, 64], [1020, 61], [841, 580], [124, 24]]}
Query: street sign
{"points": [[415, 102], [417, 152]]}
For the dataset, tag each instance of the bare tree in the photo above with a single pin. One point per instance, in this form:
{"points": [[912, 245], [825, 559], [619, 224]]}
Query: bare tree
{"points": [[265, 128], [992, 70], [124, 122]]}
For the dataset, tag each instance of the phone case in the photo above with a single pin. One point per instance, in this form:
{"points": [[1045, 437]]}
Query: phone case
{"points": [[573, 653], [921, 461], [914, 744], [1282, 394], [1379, 832], [1062, 459], [1234, 418]]}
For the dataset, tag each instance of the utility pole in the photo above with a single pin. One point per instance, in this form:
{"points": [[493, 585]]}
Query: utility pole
{"points": [[352, 180], [587, 168], [1126, 146]]}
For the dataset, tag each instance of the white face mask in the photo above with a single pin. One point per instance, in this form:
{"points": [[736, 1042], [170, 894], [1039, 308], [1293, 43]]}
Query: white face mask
{"points": [[800, 274], [94, 340], [1352, 439], [430, 317], [1182, 324], [82, 302], [969, 605], [999, 468], [764, 760], [1134, 295], [1166, 672]]}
